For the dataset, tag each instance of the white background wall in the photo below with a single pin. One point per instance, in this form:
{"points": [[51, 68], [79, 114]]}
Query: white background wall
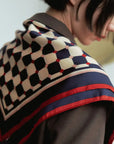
{"points": [[109, 69], [14, 12]]}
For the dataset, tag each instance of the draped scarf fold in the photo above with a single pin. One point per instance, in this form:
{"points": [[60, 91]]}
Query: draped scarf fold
{"points": [[42, 74]]}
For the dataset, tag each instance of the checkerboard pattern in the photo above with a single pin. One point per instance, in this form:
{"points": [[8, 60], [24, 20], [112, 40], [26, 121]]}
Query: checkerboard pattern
{"points": [[40, 73], [32, 60]]}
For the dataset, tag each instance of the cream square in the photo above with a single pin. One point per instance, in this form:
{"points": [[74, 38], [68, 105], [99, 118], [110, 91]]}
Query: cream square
{"points": [[66, 63], [75, 51], [43, 74], [50, 58]]}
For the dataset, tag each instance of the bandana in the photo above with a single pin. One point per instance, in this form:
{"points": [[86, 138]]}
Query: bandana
{"points": [[42, 74]]}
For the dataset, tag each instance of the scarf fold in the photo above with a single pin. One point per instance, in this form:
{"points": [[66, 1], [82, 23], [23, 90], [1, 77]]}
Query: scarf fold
{"points": [[42, 74]]}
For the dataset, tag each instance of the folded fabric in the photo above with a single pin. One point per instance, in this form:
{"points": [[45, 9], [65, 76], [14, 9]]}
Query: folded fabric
{"points": [[42, 74]]}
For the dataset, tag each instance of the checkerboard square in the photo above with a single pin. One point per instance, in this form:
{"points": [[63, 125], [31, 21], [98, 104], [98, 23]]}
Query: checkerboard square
{"points": [[6, 67], [50, 58], [26, 40], [8, 76], [63, 54], [34, 79], [15, 70], [16, 103], [18, 50], [29, 92], [35, 56], [19, 90], [5, 91], [4, 49], [41, 40], [10, 85], [18, 42], [14, 96], [91, 60], [5, 58], [46, 81], [1, 70], [39, 63], [8, 100], [57, 45], [16, 80], [26, 52], [75, 51], [9, 52], [43, 74], [27, 60], [25, 44], [43, 30], [2, 80], [1, 62], [17, 56], [35, 47], [48, 49], [12, 61], [26, 85], [20, 65], [31, 69], [79, 60], [66, 63], [33, 29], [34, 34], [1, 94], [54, 68], [23, 75]]}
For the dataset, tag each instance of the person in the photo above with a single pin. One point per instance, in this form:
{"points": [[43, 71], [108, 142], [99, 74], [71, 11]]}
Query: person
{"points": [[51, 91]]}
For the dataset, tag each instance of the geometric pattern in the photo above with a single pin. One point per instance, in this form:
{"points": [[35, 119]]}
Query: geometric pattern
{"points": [[40, 76], [27, 65]]}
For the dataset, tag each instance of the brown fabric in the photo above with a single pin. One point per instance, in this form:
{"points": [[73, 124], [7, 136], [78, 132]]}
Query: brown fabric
{"points": [[82, 125], [54, 24], [78, 126]]}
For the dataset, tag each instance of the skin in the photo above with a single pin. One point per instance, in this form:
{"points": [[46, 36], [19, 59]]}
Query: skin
{"points": [[79, 27]]}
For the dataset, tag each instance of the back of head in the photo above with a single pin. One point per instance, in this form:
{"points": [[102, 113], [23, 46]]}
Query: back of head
{"points": [[57, 4], [106, 6]]}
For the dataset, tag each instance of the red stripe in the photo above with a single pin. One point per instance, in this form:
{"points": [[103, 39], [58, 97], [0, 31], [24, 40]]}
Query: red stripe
{"points": [[63, 109], [111, 138], [0, 135], [53, 99]]}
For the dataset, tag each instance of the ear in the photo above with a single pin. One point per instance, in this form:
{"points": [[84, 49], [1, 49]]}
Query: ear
{"points": [[72, 2], [111, 25]]}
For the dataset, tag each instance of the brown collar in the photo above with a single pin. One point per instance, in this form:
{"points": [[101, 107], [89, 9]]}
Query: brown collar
{"points": [[54, 24]]}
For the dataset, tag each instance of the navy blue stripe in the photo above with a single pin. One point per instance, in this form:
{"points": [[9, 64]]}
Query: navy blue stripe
{"points": [[75, 82], [68, 84], [75, 98]]}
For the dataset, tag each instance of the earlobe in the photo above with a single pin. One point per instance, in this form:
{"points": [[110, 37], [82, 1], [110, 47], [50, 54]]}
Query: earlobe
{"points": [[111, 28], [111, 25]]}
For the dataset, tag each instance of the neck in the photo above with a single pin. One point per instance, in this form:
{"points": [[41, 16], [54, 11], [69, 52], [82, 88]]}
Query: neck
{"points": [[63, 16]]}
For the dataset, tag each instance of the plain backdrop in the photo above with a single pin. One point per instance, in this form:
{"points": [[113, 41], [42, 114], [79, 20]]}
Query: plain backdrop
{"points": [[14, 12]]}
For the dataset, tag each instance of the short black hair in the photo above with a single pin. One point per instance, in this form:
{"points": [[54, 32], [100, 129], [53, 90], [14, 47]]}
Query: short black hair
{"points": [[57, 4], [107, 11]]}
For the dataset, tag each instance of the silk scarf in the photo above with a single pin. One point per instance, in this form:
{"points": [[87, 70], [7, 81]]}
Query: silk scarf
{"points": [[42, 74]]}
